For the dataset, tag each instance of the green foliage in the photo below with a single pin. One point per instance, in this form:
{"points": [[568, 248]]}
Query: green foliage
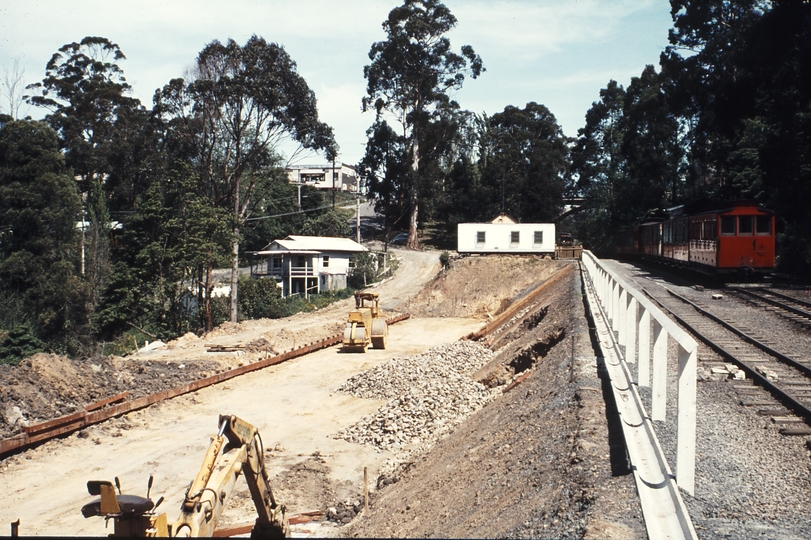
{"points": [[39, 261], [626, 160], [19, 344], [86, 92], [525, 164], [364, 272], [410, 75], [243, 101], [298, 304], [260, 299], [331, 222], [159, 281]]}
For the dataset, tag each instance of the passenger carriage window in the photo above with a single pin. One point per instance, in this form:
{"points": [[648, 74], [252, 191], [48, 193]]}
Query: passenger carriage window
{"points": [[746, 225], [728, 225], [763, 225]]}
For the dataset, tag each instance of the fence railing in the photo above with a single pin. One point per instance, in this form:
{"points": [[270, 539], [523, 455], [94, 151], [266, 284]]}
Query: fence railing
{"points": [[643, 330]]}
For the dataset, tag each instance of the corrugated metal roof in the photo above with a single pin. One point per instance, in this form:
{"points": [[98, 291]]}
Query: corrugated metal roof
{"points": [[315, 243]]}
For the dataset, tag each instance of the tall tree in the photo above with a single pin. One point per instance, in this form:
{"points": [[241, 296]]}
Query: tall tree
{"points": [[598, 165], [90, 108], [650, 149], [410, 75], [239, 104], [526, 162], [705, 38], [87, 94], [384, 168], [39, 204]]}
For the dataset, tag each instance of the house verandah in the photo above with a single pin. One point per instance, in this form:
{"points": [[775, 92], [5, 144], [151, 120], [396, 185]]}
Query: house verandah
{"points": [[306, 265]]}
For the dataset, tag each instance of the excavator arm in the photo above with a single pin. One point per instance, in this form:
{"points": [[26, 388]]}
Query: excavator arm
{"points": [[237, 449]]}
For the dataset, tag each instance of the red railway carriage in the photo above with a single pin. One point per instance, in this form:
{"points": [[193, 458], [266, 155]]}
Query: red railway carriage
{"points": [[720, 238]]}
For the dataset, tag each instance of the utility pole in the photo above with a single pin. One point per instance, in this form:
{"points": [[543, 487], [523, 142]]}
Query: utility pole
{"points": [[357, 218]]}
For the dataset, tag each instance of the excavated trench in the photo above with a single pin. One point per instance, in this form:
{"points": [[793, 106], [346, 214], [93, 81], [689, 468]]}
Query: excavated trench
{"points": [[528, 357]]}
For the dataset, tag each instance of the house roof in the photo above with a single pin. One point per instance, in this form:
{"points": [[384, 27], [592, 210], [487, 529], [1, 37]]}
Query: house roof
{"points": [[312, 244], [503, 218]]}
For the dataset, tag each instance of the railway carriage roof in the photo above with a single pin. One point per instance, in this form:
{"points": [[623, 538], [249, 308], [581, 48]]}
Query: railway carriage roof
{"points": [[701, 207]]}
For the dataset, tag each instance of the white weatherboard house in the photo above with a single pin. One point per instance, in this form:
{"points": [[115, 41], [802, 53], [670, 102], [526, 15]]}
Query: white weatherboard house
{"points": [[307, 265], [503, 235]]}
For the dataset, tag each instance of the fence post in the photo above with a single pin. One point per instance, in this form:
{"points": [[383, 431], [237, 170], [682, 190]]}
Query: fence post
{"points": [[643, 371], [630, 325], [659, 388], [686, 452]]}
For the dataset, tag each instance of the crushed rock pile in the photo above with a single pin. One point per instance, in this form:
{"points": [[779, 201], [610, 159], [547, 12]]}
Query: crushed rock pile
{"points": [[429, 394]]}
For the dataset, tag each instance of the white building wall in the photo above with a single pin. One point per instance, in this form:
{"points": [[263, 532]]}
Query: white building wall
{"points": [[498, 238]]}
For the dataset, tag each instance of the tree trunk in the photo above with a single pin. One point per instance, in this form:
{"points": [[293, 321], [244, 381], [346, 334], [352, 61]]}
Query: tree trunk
{"points": [[234, 274], [414, 197], [235, 252], [207, 293]]}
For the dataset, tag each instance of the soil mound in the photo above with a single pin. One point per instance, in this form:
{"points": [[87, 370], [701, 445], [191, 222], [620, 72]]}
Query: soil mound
{"points": [[481, 286]]}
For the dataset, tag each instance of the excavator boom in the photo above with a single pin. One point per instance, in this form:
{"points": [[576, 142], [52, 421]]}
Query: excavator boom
{"points": [[236, 449]]}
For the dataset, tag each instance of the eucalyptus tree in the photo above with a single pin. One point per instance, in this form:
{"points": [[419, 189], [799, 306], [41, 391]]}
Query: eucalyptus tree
{"points": [[237, 106], [526, 163], [87, 95], [99, 125], [410, 75], [598, 164]]}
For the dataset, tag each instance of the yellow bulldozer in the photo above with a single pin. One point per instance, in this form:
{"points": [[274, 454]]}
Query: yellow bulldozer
{"points": [[365, 325], [237, 449]]}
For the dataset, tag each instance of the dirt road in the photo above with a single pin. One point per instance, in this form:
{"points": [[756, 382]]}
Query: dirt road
{"points": [[292, 404]]}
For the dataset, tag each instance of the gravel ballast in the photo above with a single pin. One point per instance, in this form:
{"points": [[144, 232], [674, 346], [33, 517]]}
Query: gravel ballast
{"points": [[751, 481], [429, 394]]}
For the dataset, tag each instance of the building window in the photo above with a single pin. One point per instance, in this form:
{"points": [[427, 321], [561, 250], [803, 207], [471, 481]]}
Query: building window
{"points": [[537, 238], [480, 237], [515, 237], [277, 262], [351, 262], [325, 261], [302, 261]]}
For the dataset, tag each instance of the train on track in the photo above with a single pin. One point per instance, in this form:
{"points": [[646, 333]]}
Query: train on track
{"points": [[727, 238]]}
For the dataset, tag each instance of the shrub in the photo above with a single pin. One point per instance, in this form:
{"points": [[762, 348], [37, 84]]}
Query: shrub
{"points": [[445, 260], [19, 343], [260, 299]]}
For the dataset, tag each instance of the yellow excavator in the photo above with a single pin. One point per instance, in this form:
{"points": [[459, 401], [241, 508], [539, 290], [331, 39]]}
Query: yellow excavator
{"points": [[237, 449], [365, 325]]}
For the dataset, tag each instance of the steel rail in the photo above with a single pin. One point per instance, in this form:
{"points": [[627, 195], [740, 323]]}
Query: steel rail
{"points": [[784, 396], [790, 298], [663, 508], [113, 406], [777, 303]]}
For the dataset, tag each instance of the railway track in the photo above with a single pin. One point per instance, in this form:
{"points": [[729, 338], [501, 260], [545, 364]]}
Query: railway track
{"points": [[776, 384], [794, 309]]}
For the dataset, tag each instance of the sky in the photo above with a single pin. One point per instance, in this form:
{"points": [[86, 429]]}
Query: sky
{"points": [[558, 53]]}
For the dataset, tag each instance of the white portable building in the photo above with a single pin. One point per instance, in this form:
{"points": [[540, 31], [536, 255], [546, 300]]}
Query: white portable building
{"points": [[506, 238]]}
